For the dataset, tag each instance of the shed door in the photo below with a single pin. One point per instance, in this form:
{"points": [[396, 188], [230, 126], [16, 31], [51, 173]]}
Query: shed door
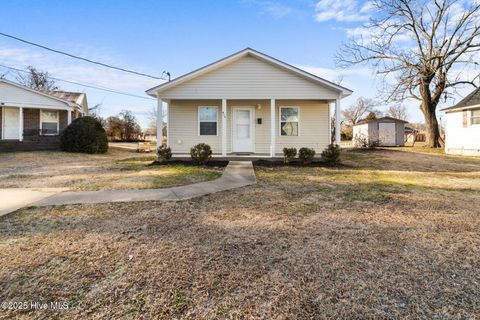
{"points": [[387, 134], [11, 125]]}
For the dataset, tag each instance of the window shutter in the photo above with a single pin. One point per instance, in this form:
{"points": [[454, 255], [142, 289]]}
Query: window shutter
{"points": [[465, 118]]}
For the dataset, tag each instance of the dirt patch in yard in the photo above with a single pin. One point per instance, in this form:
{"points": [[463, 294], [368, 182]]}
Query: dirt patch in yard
{"points": [[118, 169], [303, 243]]}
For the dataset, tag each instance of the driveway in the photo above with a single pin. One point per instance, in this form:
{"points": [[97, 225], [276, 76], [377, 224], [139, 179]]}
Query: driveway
{"points": [[17, 198]]}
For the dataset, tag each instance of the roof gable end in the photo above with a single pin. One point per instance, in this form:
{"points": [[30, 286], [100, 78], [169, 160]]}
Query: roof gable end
{"points": [[252, 54]]}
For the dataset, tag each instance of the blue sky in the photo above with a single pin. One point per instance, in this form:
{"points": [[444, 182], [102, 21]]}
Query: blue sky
{"points": [[178, 36]]}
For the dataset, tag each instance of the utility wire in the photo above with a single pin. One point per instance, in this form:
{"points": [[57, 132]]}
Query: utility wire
{"points": [[86, 85], [81, 58]]}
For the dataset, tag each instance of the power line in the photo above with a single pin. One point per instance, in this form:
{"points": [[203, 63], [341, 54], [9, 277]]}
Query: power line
{"points": [[87, 85], [81, 58]]}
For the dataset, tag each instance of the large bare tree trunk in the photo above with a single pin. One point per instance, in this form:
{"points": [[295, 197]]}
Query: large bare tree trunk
{"points": [[433, 132]]}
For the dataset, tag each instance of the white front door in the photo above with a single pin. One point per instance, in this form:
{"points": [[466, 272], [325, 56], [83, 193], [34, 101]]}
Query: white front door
{"points": [[242, 129], [11, 123], [387, 134]]}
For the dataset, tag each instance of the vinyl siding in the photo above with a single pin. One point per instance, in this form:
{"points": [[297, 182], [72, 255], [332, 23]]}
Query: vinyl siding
{"points": [[249, 78], [183, 127], [15, 96], [460, 140], [313, 126]]}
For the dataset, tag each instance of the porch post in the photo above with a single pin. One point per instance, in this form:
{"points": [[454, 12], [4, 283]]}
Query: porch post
{"points": [[69, 117], [159, 122], [338, 127], [167, 110], [272, 128], [20, 124], [224, 127]]}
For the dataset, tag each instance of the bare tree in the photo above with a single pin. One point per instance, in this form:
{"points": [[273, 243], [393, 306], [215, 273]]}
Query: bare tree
{"points": [[397, 111], [36, 79], [424, 44], [359, 111]]}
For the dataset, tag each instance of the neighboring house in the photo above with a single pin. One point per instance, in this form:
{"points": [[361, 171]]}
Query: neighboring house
{"points": [[33, 120], [385, 131], [462, 126], [248, 103], [413, 135]]}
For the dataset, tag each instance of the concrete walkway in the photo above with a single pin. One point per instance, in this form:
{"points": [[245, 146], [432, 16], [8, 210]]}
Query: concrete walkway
{"points": [[237, 174], [13, 199]]}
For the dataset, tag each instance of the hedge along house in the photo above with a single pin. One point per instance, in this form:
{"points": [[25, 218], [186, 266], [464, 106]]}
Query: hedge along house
{"points": [[33, 120], [385, 131], [462, 126], [249, 104]]}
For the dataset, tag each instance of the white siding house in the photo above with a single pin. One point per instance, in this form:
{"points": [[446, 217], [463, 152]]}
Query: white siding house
{"points": [[462, 126], [33, 120], [248, 103]]}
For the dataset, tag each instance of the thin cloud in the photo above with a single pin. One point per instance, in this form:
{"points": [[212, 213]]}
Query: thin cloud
{"points": [[275, 9], [341, 11]]}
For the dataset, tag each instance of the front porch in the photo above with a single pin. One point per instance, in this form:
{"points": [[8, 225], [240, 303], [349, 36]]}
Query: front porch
{"points": [[246, 128], [26, 129]]}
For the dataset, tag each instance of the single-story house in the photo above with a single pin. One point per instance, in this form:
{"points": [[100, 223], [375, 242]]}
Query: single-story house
{"points": [[462, 126], [248, 103], [385, 131], [32, 120]]}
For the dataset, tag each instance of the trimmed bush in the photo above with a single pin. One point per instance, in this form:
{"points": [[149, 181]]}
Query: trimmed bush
{"points": [[289, 154], [331, 155], [84, 135], [201, 153], [164, 153], [306, 155]]}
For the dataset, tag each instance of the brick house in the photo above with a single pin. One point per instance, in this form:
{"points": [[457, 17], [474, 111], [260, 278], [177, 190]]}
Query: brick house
{"points": [[33, 120]]}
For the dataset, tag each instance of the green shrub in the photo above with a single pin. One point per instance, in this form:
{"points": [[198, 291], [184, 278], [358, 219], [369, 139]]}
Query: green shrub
{"points": [[84, 135], [164, 153], [201, 153], [289, 154], [331, 154], [306, 155]]}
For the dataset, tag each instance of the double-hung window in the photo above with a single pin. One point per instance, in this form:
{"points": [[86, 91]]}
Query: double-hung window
{"points": [[475, 117], [207, 121], [49, 122], [289, 121]]}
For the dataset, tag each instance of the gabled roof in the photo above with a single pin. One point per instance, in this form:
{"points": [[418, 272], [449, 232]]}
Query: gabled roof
{"points": [[243, 53], [74, 97], [471, 100], [380, 120], [71, 104]]}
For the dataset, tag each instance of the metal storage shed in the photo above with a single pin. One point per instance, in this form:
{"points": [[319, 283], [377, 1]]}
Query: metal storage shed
{"points": [[385, 131]]}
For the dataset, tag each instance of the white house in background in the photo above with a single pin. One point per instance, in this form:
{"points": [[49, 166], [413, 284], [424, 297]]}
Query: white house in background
{"points": [[462, 126], [248, 103], [33, 120]]}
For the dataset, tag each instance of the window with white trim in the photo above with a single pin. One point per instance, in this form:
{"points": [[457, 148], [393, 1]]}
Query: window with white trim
{"points": [[49, 122], [475, 117], [289, 121], [207, 121]]}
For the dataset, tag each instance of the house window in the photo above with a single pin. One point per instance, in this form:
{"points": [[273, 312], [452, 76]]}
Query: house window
{"points": [[49, 122], [475, 118], [208, 119], [289, 119]]}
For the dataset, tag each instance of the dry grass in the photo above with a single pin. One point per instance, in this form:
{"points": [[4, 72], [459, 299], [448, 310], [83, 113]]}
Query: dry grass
{"points": [[120, 168], [369, 240]]}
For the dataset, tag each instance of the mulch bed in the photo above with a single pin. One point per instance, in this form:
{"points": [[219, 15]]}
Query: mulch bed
{"points": [[211, 163], [294, 163]]}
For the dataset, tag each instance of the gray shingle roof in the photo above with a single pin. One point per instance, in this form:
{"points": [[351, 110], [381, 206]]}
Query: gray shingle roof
{"points": [[473, 99]]}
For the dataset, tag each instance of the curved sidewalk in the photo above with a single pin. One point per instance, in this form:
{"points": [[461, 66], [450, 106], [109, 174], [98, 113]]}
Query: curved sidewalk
{"points": [[237, 174]]}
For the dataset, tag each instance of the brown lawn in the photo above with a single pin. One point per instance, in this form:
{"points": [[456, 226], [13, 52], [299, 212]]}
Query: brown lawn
{"points": [[120, 168], [391, 234]]}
